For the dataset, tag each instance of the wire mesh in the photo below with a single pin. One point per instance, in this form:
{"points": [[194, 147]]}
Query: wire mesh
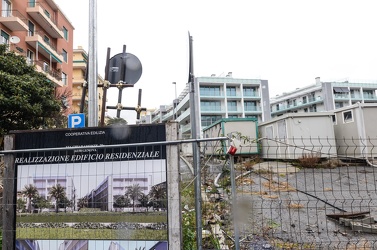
{"points": [[299, 193], [309, 193]]}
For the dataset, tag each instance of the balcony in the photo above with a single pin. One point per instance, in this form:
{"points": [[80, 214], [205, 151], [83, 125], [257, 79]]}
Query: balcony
{"points": [[341, 96], [80, 65], [212, 97], [234, 97], [253, 109], [44, 47], [183, 115], [285, 108], [76, 97], [42, 16], [52, 74], [368, 97], [251, 96], [185, 128], [13, 20], [212, 111]]}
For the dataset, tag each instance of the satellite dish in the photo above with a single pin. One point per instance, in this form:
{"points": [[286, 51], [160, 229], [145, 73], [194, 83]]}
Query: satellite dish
{"points": [[131, 72], [14, 39]]}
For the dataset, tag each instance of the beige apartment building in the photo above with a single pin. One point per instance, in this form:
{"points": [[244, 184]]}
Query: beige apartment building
{"points": [[80, 59], [41, 32]]}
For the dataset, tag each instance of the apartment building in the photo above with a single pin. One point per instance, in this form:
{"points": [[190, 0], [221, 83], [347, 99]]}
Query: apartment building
{"points": [[217, 98], [41, 32], [44, 183], [323, 96], [80, 60], [102, 196]]}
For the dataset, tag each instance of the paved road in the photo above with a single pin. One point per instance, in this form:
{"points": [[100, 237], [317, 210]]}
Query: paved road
{"points": [[291, 207]]}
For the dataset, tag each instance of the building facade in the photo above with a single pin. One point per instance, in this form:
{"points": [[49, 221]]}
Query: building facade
{"points": [[323, 96], [102, 197], [43, 184], [80, 60], [217, 98], [41, 32]]}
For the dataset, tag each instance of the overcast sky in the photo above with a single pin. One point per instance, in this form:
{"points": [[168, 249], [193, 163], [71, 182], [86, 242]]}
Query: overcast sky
{"points": [[288, 43]]}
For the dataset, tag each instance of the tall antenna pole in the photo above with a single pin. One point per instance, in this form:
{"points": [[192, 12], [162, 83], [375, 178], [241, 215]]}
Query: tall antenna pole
{"points": [[92, 68], [195, 149]]}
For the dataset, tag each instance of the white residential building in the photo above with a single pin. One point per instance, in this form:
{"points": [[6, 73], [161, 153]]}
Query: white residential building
{"points": [[323, 96], [217, 98]]}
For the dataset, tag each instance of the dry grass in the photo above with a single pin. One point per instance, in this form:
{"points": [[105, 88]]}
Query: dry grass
{"points": [[278, 186], [270, 196], [309, 160], [295, 205]]}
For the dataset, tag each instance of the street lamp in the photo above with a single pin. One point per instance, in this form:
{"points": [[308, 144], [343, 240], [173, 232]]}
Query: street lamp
{"points": [[175, 100]]}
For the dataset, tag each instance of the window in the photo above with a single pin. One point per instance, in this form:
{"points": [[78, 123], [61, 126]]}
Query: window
{"points": [[64, 79], [31, 3], [347, 116], [231, 91], [313, 108], [304, 99], [7, 8], [289, 103], [210, 106], [250, 106], [29, 57], [249, 91], [47, 13], [31, 29], [338, 105], [368, 94], [209, 91], [208, 120], [294, 102], [65, 55], [232, 116], [4, 38], [232, 106], [312, 97], [65, 31], [46, 39], [46, 67]]}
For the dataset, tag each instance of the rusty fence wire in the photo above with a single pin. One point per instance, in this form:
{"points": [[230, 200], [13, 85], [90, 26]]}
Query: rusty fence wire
{"points": [[294, 193]]}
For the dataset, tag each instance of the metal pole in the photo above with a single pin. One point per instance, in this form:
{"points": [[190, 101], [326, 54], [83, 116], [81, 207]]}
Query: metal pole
{"points": [[93, 75], [174, 104], [105, 87], [195, 153], [234, 199]]}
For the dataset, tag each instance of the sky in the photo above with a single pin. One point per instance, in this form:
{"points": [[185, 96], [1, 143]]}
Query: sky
{"points": [[289, 43]]}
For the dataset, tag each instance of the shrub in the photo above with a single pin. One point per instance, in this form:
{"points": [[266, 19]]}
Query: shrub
{"points": [[309, 160]]}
